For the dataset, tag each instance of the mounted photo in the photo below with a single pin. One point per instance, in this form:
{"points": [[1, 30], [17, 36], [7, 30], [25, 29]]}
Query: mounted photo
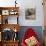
{"points": [[30, 13]]}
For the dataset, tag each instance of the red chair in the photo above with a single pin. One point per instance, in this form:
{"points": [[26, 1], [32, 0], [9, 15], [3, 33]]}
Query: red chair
{"points": [[29, 33]]}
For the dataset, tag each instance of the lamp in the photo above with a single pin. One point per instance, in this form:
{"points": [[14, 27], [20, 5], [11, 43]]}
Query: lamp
{"points": [[15, 3]]}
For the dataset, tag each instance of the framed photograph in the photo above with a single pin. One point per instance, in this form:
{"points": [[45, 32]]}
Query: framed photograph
{"points": [[5, 12], [13, 12], [30, 14]]}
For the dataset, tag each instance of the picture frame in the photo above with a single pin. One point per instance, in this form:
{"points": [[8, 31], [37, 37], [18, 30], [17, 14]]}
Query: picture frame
{"points": [[13, 12], [30, 14], [5, 12]]}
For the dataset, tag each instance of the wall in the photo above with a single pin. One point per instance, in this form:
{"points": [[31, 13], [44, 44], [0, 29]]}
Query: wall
{"points": [[25, 4], [39, 13]]}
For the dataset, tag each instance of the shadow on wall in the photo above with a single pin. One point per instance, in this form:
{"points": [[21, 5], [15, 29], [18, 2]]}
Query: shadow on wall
{"points": [[37, 29]]}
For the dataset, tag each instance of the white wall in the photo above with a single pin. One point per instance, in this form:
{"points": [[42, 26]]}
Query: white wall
{"points": [[7, 3], [39, 13], [25, 4]]}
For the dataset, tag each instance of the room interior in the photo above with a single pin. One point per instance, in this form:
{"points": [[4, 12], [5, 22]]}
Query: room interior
{"points": [[17, 16]]}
